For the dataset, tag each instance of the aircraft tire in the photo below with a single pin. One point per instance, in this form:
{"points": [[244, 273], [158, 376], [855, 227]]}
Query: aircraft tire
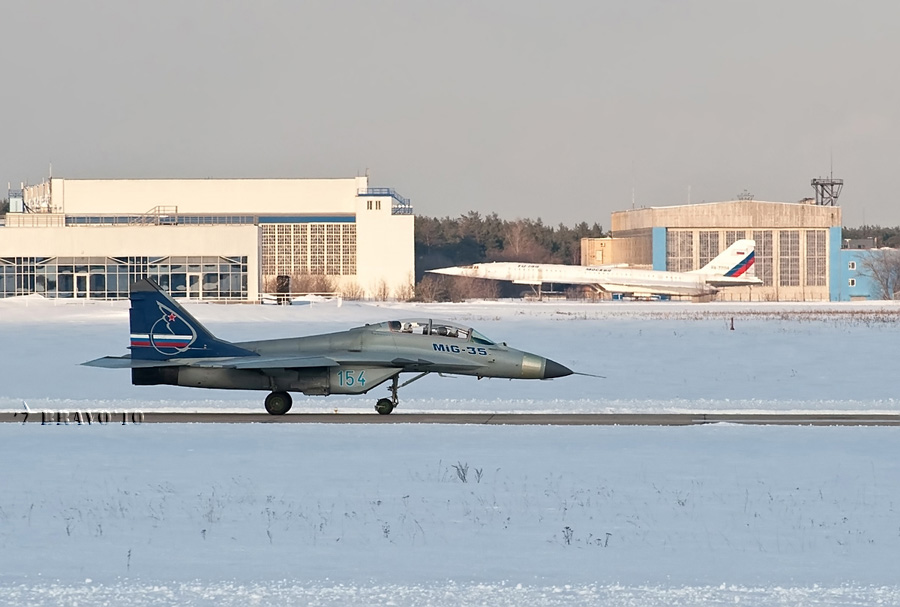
{"points": [[384, 406], [278, 403]]}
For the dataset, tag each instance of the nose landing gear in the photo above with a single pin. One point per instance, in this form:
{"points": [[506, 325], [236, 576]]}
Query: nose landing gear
{"points": [[384, 406]]}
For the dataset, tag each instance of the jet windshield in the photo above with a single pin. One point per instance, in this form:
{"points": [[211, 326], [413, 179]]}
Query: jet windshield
{"points": [[478, 338], [442, 328]]}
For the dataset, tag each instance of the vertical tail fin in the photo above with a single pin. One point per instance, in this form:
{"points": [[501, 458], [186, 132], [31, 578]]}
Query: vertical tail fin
{"points": [[737, 260], [161, 329]]}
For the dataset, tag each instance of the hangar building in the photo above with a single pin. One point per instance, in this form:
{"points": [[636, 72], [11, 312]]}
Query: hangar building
{"points": [[205, 239], [797, 244]]}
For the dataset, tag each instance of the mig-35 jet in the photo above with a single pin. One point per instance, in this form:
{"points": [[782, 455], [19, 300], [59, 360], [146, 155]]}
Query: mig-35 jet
{"points": [[169, 346]]}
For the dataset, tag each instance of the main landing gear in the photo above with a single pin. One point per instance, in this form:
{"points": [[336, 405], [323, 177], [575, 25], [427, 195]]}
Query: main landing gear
{"points": [[278, 403]]}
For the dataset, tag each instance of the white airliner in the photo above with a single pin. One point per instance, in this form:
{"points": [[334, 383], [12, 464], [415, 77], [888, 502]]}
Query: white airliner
{"points": [[731, 268]]}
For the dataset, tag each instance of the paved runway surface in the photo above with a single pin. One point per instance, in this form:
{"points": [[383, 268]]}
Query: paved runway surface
{"points": [[536, 419]]}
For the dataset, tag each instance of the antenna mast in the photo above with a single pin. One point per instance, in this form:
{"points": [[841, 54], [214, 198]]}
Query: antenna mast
{"points": [[827, 190]]}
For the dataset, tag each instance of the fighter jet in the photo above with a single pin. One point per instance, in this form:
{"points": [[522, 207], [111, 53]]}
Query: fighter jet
{"points": [[169, 346]]}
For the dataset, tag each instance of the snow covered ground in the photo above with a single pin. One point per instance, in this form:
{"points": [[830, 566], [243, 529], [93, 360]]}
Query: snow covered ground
{"points": [[448, 515]]}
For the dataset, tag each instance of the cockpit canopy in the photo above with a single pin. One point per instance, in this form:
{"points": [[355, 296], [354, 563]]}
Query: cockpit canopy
{"points": [[427, 326]]}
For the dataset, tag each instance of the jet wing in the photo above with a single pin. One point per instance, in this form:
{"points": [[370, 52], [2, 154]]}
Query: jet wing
{"points": [[335, 359], [126, 362], [728, 281], [269, 362], [647, 289], [232, 362]]}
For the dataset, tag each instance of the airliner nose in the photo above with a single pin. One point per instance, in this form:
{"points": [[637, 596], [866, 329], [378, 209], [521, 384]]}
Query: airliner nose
{"points": [[455, 271], [554, 369]]}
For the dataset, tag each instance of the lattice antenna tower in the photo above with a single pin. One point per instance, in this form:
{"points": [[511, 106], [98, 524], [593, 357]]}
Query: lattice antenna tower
{"points": [[827, 189]]}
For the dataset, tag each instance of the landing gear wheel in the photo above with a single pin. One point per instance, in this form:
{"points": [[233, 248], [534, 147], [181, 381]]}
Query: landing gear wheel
{"points": [[278, 403], [384, 406]]}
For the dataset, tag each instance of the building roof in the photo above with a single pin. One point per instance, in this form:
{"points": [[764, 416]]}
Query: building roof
{"points": [[737, 214]]}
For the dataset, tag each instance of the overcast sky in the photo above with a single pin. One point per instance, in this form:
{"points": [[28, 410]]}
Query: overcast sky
{"points": [[558, 110]]}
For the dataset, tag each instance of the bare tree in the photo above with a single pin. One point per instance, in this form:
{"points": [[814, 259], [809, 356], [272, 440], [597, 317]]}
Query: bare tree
{"points": [[268, 283], [312, 283], [432, 288], [883, 267], [463, 287], [406, 291], [352, 291], [382, 291]]}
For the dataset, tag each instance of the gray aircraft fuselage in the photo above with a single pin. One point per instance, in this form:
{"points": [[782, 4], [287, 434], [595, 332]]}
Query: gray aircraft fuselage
{"points": [[169, 346], [359, 359]]}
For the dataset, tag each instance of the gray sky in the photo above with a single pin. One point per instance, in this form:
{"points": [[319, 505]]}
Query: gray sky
{"points": [[528, 109]]}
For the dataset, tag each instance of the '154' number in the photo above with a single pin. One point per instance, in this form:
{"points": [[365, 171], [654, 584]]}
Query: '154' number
{"points": [[351, 377]]}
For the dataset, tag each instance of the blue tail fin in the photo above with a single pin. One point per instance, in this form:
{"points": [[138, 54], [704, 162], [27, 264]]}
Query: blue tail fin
{"points": [[161, 329]]}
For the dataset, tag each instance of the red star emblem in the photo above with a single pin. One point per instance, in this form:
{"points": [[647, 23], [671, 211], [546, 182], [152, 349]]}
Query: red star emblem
{"points": [[171, 316]]}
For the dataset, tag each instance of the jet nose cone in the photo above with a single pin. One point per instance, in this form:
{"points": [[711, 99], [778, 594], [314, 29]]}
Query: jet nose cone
{"points": [[554, 369], [448, 271]]}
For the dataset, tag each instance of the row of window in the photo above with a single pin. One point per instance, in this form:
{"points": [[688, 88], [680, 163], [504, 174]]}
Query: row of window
{"points": [[200, 277], [680, 253], [324, 249], [127, 220]]}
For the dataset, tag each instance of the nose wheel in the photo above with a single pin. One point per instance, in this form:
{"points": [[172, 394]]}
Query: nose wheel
{"points": [[384, 406]]}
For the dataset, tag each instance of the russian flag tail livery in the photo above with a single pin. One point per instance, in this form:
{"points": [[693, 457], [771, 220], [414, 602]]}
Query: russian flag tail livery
{"points": [[735, 261], [162, 330], [742, 266]]}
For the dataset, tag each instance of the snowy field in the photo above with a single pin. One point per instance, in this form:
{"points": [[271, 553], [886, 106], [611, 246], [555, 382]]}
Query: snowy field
{"points": [[448, 515]]}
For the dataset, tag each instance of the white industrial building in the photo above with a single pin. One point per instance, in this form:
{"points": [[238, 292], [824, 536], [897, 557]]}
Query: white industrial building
{"points": [[205, 239]]}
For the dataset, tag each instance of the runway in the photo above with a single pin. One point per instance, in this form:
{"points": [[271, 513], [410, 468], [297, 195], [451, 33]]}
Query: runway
{"points": [[496, 419]]}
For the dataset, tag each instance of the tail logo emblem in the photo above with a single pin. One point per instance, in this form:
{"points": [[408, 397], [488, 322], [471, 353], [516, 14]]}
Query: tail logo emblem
{"points": [[171, 334]]}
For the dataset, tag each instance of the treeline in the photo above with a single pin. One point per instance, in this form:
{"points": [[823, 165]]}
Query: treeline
{"points": [[885, 237], [473, 238]]}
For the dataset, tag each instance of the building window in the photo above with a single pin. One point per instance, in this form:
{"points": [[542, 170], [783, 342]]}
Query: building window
{"points": [[732, 236], [851, 265], [816, 261], [709, 246], [852, 282], [314, 248], [368, 205], [789, 258], [317, 249], [377, 205], [764, 257], [679, 251], [206, 277]]}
